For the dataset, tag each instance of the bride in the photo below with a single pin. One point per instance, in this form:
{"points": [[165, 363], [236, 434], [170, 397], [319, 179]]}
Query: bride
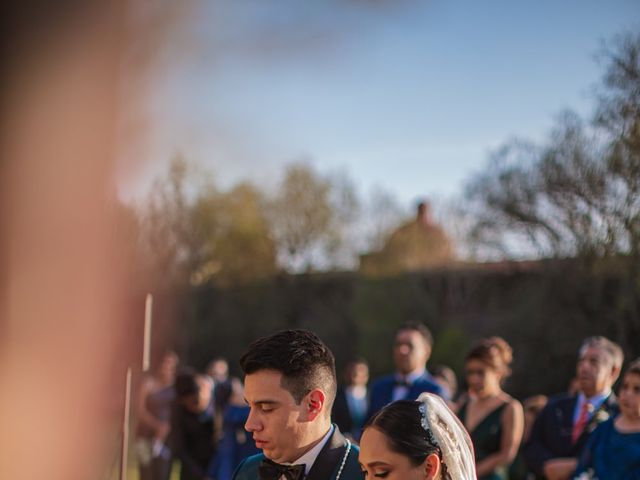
{"points": [[416, 440]]}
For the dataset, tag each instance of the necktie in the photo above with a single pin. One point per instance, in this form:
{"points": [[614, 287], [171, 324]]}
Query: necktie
{"points": [[582, 421], [269, 470]]}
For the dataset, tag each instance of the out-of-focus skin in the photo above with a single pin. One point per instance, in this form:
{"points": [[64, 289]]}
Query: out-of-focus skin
{"points": [[410, 351], [629, 398], [59, 319]]}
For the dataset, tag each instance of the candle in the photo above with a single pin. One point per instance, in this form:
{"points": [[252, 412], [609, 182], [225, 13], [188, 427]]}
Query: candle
{"points": [[146, 351], [124, 452]]}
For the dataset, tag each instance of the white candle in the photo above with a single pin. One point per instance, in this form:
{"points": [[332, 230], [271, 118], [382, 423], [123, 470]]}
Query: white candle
{"points": [[146, 351], [124, 451]]}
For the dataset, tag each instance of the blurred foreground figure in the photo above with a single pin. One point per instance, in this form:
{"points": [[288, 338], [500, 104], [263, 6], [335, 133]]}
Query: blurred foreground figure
{"points": [[59, 320]]}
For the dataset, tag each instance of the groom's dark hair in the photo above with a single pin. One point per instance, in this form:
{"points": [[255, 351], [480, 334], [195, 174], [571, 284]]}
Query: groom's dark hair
{"points": [[304, 361]]}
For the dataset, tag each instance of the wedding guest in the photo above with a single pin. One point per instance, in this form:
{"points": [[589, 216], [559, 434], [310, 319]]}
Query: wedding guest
{"points": [[192, 427], [563, 426], [532, 407], [153, 412], [411, 351], [236, 443], [218, 370], [446, 378], [351, 404], [613, 450], [493, 418]]}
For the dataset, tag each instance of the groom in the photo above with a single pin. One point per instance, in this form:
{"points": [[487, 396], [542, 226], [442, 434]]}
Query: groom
{"points": [[290, 385]]}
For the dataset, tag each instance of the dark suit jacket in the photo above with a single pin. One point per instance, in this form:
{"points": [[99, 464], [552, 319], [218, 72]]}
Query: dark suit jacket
{"points": [[340, 413], [551, 433], [382, 391], [342, 416], [325, 467], [191, 441]]}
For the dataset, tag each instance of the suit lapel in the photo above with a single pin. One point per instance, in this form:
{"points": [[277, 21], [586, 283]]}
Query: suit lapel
{"points": [[329, 457], [564, 418]]}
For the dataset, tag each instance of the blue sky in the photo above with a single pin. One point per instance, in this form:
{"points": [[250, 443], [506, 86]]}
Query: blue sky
{"points": [[406, 95]]}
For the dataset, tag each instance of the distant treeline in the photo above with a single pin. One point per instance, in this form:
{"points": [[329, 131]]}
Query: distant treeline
{"points": [[543, 309]]}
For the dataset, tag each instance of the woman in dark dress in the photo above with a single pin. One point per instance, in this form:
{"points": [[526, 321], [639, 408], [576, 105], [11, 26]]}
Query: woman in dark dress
{"points": [[493, 419], [613, 450]]}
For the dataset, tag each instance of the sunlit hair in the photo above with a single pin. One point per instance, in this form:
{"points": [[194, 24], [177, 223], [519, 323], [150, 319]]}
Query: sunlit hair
{"points": [[495, 353], [611, 348], [304, 361]]}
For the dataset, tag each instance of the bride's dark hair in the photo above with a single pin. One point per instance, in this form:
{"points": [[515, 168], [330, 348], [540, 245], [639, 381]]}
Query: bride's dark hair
{"points": [[401, 424]]}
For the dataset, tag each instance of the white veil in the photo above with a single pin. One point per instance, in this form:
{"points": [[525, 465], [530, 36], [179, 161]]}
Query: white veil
{"points": [[450, 435]]}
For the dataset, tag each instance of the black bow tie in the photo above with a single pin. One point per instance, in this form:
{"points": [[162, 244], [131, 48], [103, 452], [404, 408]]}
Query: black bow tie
{"points": [[402, 382], [269, 470]]}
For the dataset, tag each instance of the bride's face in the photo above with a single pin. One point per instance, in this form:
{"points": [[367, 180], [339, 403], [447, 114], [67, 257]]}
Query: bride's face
{"points": [[378, 461]]}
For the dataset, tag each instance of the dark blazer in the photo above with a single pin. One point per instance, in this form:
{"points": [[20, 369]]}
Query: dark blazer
{"points": [[342, 416], [192, 441], [340, 413], [551, 433], [325, 467], [382, 391]]}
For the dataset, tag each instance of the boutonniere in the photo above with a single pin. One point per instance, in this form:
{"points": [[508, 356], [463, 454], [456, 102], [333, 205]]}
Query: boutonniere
{"points": [[602, 415], [588, 475]]}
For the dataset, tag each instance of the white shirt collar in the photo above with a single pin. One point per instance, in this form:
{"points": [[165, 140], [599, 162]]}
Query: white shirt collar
{"points": [[309, 458], [596, 400]]}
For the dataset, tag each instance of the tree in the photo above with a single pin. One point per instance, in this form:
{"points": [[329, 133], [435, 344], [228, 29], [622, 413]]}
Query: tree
{"points": [[196, 233], [235, 233], [165, 224], [580, 193], [308, 216]]}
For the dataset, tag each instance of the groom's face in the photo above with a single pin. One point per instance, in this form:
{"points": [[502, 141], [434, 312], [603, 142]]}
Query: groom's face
{"points": [[279, 426]]}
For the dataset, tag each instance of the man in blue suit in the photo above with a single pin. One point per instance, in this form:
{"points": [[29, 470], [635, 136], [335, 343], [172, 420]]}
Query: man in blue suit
{"points": [[290, 386], [411, 350], [563, 426]]}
